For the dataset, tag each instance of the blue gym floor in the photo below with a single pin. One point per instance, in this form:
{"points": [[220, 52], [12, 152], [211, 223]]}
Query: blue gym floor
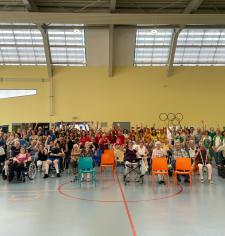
{"points": [[57, 206]]}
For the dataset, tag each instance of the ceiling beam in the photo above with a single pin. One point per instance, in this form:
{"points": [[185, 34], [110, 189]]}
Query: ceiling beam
{"points": [[112, 6], [30, 5], [172, 52], [44, 34], [108, 18], [193, 6]]}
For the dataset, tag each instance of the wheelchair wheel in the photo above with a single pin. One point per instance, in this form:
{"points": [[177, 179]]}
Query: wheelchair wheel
{"points": [[32, 170]]}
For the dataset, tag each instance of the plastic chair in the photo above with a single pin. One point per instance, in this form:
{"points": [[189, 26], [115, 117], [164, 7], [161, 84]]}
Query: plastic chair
{"points": [[107, 160], [109, 151], [159, 167], [85, 166], [183, 167]]}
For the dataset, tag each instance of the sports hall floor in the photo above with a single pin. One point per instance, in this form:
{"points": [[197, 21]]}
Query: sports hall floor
{"points": [[57, 206]]}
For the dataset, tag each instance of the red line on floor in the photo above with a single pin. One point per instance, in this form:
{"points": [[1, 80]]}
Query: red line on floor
{"points": [[126, 207], [62, 192]]}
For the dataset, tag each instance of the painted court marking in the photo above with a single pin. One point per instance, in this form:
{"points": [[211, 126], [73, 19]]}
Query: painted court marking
{"points": [[126, 207], [65, 193]]}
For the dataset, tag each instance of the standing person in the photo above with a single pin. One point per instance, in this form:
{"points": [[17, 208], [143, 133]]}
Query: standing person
{"points": [[198, 136], [75, 154], [217, 143], [201, 157], [104, 142]]}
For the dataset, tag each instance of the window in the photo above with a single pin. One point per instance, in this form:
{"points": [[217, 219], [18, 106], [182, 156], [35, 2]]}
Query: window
{"points": [[200, 47], [152, 47], [67, 46], [10, 93], [21, 46]]}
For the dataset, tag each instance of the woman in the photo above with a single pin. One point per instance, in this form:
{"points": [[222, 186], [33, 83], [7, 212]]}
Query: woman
{"points": [[19, 163], [75, 154], [159, 152], [130, 159], [201, 157]]}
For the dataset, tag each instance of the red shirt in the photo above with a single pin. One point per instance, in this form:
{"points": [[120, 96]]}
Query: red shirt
{"points": [[120, 139], [83, 140], [98, 137]]}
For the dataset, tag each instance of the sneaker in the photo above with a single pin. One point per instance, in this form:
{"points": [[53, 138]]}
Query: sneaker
{"points": [[58, 175], [45, 176], [202, 180], [211, 182]]}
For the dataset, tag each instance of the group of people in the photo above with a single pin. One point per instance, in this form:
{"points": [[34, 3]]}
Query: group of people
{"points": [[62, 146]]}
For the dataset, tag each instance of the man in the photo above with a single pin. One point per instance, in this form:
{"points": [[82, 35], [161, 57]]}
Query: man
{"points": [[217, 143], [54, 155], [198, 136], [179, 152]]}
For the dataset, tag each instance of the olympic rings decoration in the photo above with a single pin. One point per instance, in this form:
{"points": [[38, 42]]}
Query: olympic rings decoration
{"points": [[175, 119]]}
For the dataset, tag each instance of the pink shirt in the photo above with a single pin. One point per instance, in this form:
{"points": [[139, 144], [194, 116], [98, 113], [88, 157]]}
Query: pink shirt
{"points": [[21, 158]]}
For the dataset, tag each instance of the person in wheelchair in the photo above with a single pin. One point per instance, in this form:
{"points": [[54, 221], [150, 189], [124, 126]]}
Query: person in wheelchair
{"points": [[18, 164], [131, 161], [54, 155], [14, 151]]}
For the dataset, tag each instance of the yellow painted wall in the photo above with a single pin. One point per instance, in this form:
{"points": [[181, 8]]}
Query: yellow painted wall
{"points": [[133, 94]]}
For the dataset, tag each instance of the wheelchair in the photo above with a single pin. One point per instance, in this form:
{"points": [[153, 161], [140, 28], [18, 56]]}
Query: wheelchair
{"points": [[29, 171], [134, 167]]}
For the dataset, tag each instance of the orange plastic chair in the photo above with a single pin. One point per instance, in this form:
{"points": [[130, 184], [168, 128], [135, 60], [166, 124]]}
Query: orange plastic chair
{"points": [[107, 160], [109, 151], [159, 167], [183, 167]]}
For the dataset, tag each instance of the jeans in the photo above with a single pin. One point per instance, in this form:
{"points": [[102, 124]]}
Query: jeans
{"points": [[218, 157]]}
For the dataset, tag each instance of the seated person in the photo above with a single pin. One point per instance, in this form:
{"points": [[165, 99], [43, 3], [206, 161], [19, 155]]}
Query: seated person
{"points": [[142, 153], [157, 152], [201, 157], [53, 158], [15, 150], [42, 157], [179, 152], [18, 163], [130, 159]]}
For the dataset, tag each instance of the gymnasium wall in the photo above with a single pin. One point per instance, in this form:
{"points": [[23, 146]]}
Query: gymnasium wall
{"points": [[133, 94]]}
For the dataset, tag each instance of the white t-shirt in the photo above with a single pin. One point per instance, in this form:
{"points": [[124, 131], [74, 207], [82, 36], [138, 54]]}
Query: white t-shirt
{"points": [[217, 141], [141, 150]]}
